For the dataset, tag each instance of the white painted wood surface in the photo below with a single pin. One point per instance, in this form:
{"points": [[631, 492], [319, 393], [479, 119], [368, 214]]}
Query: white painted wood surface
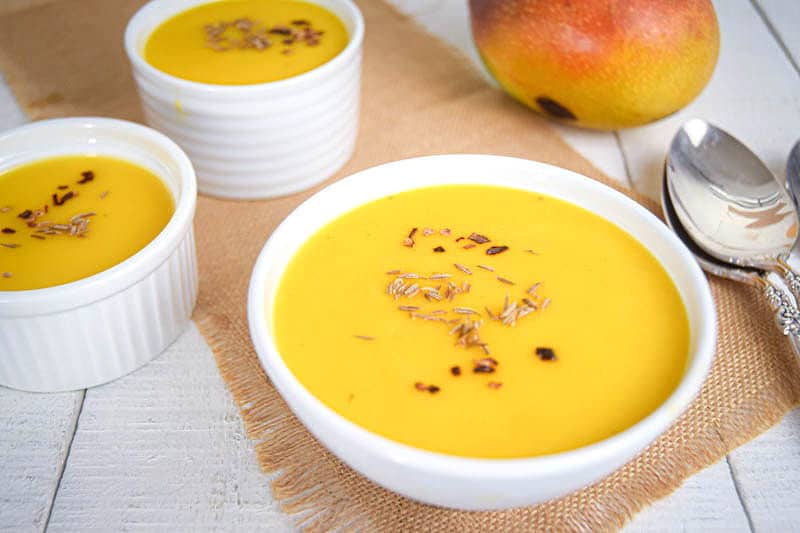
{"points": [[164, 447]]}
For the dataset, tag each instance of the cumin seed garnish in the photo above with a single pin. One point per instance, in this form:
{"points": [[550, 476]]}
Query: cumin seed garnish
{"points": [[468, 246], [6, 274], [300, 22], [364, 337], [428, 231], [440, 275], [62, 187], [393, 272], [494, 384], [5, 209], [445, 232], [532, 289], [490, 314], [494, 250], [408, 275], [545, 303], [408, 308], [9, 230], [87, 176], [103, 194], [35, 236], [465, 311], [462, 268], [10, 244], [478, 238], [486, 267], [439, 249], [504, 280], [25, 215], [532, 252]]}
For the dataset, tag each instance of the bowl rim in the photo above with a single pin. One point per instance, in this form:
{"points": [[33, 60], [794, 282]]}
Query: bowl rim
{"points": [[126, 273], [454, 466], [139, 63]]}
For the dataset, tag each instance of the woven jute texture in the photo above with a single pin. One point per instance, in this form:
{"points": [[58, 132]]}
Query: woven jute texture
{"points": [[65, 57]]}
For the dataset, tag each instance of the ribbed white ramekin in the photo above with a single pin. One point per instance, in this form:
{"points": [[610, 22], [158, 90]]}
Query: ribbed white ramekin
{"points": [[261, 140], [97, 329]]}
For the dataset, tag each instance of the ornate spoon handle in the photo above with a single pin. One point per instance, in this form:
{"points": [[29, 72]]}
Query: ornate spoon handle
{"points": [[787, 315], [790, 277]]}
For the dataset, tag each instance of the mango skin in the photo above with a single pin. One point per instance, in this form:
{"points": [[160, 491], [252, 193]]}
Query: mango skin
{"points": [[601, 64]]}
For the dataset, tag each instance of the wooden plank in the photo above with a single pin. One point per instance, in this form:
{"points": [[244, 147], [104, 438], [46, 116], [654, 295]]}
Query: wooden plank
{"points": [[754, 94], [164, 447], [783, 17], [35, 434], [706, 501], [767, 473]]}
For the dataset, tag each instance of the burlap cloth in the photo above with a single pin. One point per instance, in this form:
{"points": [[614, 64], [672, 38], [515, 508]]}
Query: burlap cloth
{"points": [[65, 57]]}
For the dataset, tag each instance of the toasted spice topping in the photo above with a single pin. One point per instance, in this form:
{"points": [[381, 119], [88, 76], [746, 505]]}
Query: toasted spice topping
{"points": [[433, 389], [462, 268], [532, 252], [5, 209], [63, 187], [408, 308], [10, 245], [6, 274], [455, 370], [251, 35], [532, 289], [61, 201], [494, 384], [103, 194], [445, 232], [88, 176], [487, 365], [486, 267], [409, 241], [546, 354], [440, 275], [478, 238], [25, 215], [494, 250], [35, 236], [8, 230], [364, 337], [468, 246], [428, 231], [439, 249], [393, 272], [506, 281], [465, 311], [300, 22]]}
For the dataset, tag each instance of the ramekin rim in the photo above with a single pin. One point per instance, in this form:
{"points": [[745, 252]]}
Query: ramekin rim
{"points": [[329, 67], [125, 273]]}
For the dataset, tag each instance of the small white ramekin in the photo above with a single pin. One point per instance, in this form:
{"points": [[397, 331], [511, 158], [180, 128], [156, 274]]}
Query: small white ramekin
{"points": [[261, 140], [99, 328], [472, 483]]}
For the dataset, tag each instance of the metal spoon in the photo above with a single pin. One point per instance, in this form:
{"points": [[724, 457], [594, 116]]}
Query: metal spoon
{"points": [[728, 201], [793, 183], [787, 315]]}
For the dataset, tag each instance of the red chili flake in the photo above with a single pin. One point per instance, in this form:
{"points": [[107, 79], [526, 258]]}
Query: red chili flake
{"points": [[420, 386], [546, 354], [281, 30], [60, 201], [88, 176], [460, 239], [9, 230], [439, 249], [300, 22], [25, 214], [455, 370], [477, 237], [494, 250], [433, 389], [468, 246]]}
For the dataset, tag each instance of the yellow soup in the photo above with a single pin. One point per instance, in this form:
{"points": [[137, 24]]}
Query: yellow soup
{"points": [[236, 42], [66, 218], [533, 326]]}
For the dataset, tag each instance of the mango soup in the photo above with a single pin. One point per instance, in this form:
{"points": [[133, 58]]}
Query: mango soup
{"points": [[481, 321], [235, 42], [67, 218]]}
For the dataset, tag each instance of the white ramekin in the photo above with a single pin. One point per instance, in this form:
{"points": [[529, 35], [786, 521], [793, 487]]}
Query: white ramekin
{"points": [[99, 328], [261, 140], [458, 482]]}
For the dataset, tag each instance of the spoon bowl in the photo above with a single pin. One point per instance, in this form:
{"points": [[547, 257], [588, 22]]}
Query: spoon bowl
{"points": [[726, 199]]}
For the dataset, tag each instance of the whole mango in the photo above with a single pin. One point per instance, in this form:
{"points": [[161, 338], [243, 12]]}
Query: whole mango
{"points": [[603, 64]]}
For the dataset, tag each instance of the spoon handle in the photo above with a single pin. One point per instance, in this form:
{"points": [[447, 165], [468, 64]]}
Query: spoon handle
{"points": [[790, 277], [787, 315]]}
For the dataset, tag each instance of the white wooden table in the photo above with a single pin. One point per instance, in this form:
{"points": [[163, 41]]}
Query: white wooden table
{"points": [[164, 447]]}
